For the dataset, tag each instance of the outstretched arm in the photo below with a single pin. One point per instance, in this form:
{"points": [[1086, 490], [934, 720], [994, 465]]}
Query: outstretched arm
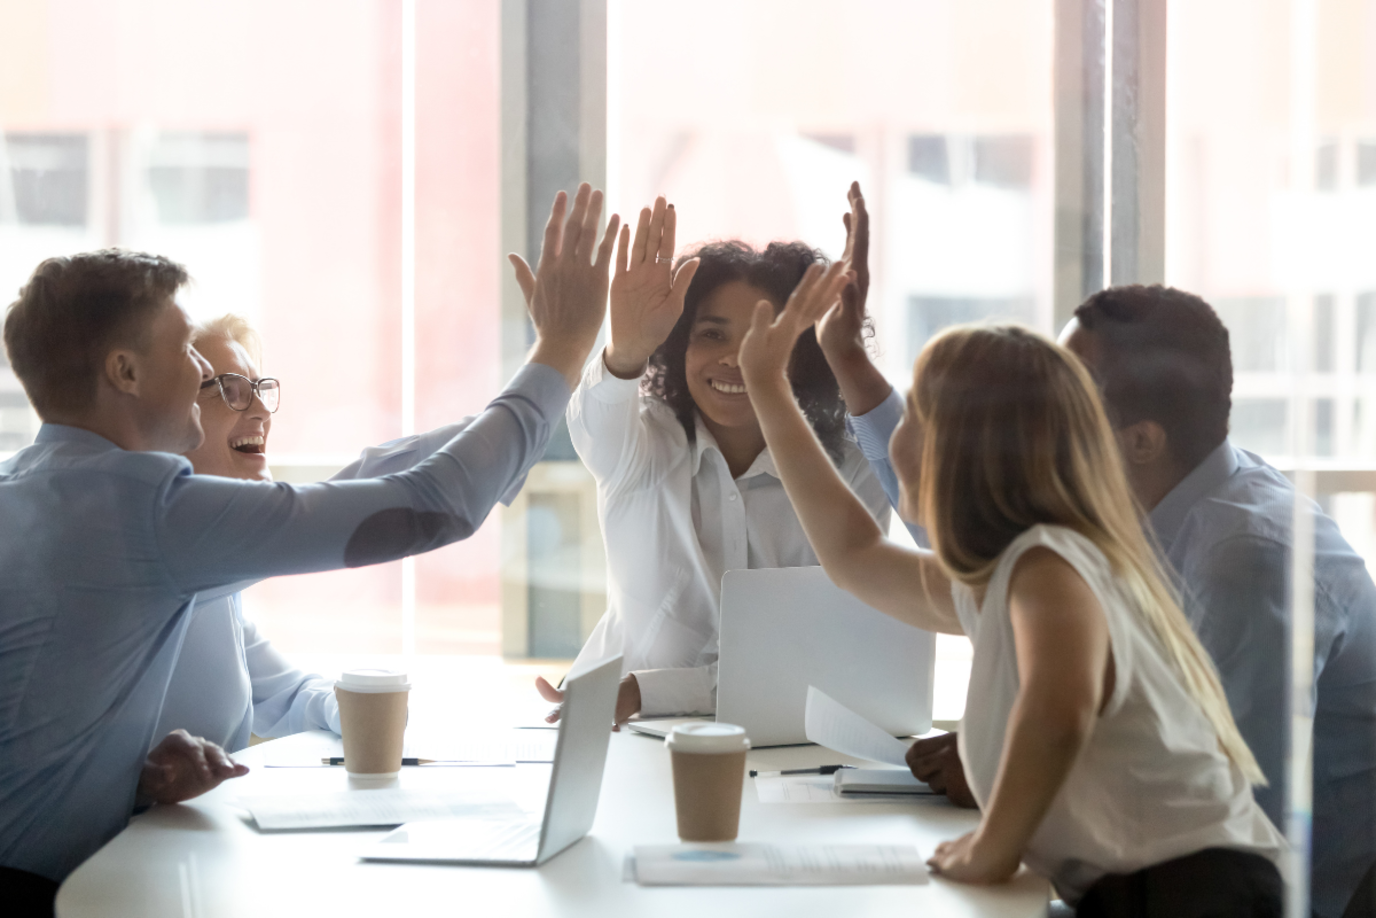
{"points": [[908, 585]]}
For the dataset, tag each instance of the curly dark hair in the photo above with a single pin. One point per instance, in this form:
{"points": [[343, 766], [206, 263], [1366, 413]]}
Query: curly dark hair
{"points": [[1165, 359], [776, 271]]}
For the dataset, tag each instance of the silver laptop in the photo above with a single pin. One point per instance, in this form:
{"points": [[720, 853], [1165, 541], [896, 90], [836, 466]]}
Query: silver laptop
{"points": [[783, 629], [585, 729]]}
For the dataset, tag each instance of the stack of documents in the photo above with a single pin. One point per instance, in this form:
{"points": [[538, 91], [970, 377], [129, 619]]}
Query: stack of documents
{"points": [[778, 865]]}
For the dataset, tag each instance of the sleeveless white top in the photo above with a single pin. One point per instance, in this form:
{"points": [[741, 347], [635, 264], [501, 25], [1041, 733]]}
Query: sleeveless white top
{"points": [[1151, 785]]}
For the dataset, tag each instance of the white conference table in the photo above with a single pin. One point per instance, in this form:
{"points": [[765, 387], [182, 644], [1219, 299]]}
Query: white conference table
{"points": [[205, 858]]}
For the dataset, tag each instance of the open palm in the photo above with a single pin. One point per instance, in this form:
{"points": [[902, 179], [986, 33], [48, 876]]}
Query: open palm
{"points": [[841, 329], [646, 293], [766, 348]]}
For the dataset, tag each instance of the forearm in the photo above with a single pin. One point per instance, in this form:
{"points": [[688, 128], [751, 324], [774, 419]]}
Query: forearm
{"points": [[862, 385], [1044, 738]]}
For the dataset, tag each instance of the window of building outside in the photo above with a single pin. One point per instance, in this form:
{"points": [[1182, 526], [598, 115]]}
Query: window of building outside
{"points": [[1270, 211], [942, 111]]}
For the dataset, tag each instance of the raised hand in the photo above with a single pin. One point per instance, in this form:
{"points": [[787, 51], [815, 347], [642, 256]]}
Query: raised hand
{"points": [[840, 331], [567, 295], [183, 766], [646, 294], [766, 348]]}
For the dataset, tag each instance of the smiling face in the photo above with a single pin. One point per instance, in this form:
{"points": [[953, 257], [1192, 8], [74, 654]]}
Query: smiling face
{"points": [[714, 375], [170, 371], [235, 441]]}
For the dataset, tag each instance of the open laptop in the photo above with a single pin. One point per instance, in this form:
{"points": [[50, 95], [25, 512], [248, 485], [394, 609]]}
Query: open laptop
{"points": [[585, 729], [783, 629]]}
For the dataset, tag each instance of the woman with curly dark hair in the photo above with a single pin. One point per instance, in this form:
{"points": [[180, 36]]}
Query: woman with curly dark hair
{"points": [[686, 488]]}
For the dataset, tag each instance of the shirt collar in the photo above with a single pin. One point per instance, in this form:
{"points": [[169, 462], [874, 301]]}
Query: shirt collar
{"points": [[64, 433], [1169, 515], [704, 441]]}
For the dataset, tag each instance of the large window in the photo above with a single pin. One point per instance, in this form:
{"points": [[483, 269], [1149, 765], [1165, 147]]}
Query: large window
{"points": [[349, 176]]}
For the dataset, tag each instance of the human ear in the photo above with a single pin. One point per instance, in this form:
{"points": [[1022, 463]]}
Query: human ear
{"points": [[122, 372], [1143, 443]]}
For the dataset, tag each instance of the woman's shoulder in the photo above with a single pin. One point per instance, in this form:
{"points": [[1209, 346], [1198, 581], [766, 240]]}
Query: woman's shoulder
{"points": [[1043, 541]]}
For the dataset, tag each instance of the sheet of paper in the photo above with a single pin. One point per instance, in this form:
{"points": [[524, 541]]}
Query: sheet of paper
{"points": [[384, 807], [814, 789], [778, 865], [835, 726], [794, 789]]}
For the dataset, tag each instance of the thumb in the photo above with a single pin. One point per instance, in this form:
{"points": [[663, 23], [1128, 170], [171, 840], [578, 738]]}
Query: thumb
{"points": [[763, 317], [524, 276], [547, 691], [684, 276]]}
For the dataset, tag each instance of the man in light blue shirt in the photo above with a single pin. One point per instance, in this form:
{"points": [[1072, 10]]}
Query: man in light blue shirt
{"points": [[107, 535], [1223, 519]]}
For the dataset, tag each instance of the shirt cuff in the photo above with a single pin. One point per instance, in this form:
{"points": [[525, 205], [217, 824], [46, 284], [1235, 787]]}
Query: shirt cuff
{"points": [[665, 692], [543, 385], [605, 386], [875, 428]]}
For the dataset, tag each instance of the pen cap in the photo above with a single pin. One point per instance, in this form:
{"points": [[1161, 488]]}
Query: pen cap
{"points": [[373, 681], [707, 738]]}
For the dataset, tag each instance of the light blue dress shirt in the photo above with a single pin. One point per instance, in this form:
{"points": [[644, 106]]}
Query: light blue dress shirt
{"points": [[1226, 531], [102, 552], [229, 681]]}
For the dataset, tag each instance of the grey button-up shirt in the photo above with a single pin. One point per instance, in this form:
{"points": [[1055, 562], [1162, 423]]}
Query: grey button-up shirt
{"points": [[102, 552]]}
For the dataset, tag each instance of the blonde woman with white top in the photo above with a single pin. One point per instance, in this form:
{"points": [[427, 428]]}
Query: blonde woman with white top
{"points": [[1096, 739], [686, 488]]}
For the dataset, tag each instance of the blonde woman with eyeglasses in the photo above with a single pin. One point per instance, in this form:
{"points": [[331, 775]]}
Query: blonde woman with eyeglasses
{"points": [[1096, 739]]}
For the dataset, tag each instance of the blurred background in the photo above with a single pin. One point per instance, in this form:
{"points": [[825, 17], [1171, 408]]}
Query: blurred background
{"points": [[349, 174]]}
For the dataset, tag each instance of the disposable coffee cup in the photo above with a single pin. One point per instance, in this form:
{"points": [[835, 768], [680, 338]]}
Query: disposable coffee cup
{"points": [[372, 720], [708, 761]]}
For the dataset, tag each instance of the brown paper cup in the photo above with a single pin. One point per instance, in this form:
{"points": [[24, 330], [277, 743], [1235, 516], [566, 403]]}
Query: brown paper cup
{"points": [[707, 794], [373, 725]]}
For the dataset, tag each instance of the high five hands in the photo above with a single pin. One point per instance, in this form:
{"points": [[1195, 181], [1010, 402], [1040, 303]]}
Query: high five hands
{"points": [[567, 294], [840, 331], [646, 293], [766, 348]]}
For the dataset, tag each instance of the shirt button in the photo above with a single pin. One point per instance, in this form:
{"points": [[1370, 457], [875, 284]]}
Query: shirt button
{"points": [[733, 497]]}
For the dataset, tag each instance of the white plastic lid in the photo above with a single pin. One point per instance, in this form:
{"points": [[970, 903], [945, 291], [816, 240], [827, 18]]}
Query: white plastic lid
{"points": [[373, 680], [707, 738]]}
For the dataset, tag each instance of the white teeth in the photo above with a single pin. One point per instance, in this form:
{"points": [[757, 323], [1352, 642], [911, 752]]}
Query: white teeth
{"points": [[727, 387], [247, 441]]}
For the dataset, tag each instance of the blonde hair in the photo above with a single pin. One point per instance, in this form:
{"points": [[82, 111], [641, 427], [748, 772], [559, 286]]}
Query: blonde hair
{"points": [[1014, 435], [233, 328]]}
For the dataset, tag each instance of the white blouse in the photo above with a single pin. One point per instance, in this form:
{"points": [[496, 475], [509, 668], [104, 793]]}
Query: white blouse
{"points": [[674, 521], [1152, 784]]}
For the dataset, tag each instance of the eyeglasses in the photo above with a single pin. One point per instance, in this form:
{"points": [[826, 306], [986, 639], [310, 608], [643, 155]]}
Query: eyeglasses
{"points": [[238, 391]]}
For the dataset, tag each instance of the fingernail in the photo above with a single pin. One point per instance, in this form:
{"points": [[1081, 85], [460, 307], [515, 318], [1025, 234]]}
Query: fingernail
{"points": [[671, 207]]}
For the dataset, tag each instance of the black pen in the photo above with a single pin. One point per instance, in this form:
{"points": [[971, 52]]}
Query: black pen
{"points": [[823, 770], [339, 760]]}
